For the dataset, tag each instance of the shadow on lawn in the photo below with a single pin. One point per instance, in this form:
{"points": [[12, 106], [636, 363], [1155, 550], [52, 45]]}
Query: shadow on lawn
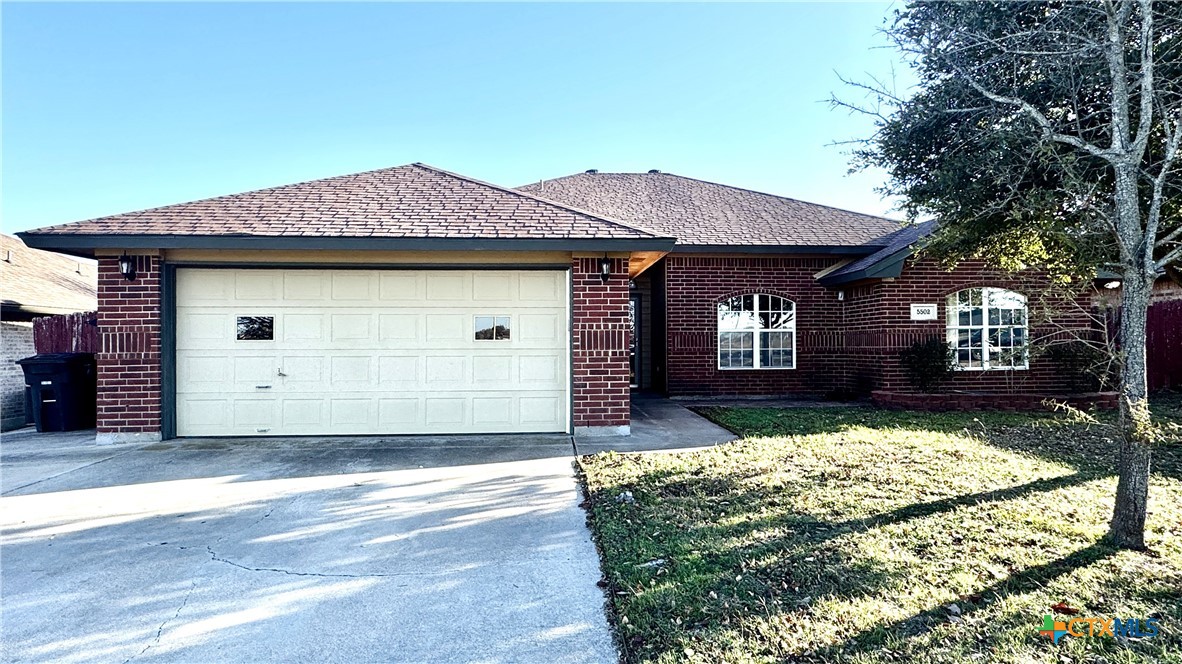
{"points": [[1019, 583], [779, 560], [775, 564]]}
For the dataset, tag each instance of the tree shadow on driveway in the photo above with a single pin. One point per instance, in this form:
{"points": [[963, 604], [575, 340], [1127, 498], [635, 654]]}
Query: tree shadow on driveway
{"points": [[247, 554]]}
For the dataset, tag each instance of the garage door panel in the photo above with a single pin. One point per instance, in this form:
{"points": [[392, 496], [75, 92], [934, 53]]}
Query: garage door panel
{"points": [[303, 371], [541, 287], [446, 329], [539, 410], [398, 328], [213, 287], [304, 286], [352, 286], [212, 414], [257, 285], [351, 414], [448, 286], [196, 328], [492, 410], [493, 369], [398, 414], [211, 371], [535, 369], [301, 328], [494, 287], [350, 372], [539, 327], [400, 287], [444, 411], [398, 371], [371, 352], [259, 414], [303, 413], [445, 369]]}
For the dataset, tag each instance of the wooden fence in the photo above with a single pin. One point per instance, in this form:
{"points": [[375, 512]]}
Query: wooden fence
{"points": [[68, 333], [1163, 345]]}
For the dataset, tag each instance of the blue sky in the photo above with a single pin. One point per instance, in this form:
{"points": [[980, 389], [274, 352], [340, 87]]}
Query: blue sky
{"points": [[111, 108]]}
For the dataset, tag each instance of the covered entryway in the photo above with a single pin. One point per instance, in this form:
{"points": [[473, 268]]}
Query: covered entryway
{"points": [[273, 352]]}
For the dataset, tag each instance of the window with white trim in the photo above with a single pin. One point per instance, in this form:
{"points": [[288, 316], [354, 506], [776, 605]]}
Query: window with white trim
{"points": [[757, 332], [987, 329]]}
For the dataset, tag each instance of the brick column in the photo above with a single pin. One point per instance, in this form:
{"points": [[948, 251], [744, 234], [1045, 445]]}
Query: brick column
{"points": [[600, 348], [129, 351]]}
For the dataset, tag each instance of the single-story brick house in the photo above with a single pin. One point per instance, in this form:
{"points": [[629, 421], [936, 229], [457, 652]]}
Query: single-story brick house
{"points": [[414, 300]]}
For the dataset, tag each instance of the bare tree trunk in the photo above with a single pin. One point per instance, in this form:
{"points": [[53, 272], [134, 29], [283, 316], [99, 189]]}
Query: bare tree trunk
{"points": [[1127, 529]]}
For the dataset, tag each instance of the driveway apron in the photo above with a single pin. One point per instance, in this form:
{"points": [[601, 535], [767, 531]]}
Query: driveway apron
{"points": [[407, 550]]}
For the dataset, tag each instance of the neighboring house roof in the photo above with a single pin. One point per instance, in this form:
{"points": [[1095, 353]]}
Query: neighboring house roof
{"points": [[39, 283], [408, 207], [886, 262], [707, 216]]}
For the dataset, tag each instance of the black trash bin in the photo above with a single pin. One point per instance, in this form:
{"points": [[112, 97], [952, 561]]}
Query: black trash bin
{"points": [[62, 389]]}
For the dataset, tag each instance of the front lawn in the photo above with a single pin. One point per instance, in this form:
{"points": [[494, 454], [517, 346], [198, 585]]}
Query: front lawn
{"points": [[870, 536]]}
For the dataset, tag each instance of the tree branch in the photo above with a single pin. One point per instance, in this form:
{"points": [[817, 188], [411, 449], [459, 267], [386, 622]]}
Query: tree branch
{"points": [[1038, 117], [1171, 152], [1145, 122]]}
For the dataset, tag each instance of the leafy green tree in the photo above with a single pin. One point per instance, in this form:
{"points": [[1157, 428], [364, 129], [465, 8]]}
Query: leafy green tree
{"points": [[1046, 135]]}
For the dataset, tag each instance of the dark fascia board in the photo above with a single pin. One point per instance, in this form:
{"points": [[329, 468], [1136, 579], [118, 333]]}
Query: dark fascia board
{"points": [[15, 311], [836, 250], [887, 268], [85, 244]]}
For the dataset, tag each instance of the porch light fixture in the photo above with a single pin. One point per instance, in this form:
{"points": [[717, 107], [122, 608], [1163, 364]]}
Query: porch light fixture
{"points": [[127, 267], [605, 268]]}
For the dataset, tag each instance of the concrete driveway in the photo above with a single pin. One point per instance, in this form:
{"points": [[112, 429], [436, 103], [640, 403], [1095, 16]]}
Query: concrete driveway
{"points": [[298, 550]]}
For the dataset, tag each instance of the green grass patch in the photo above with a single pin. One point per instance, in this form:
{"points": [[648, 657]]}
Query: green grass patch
{"points": [[861, 535]]}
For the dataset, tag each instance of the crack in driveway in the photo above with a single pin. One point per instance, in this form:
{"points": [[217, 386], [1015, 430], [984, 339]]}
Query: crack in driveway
{"points": [[160, 629], [279, 570]]}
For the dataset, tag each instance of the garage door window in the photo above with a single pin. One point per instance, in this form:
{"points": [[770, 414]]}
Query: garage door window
{"points": [[492, 328], [256, 328]]}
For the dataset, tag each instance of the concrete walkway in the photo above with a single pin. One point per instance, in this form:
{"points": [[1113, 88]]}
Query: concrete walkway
{"points": [[300, 550], [659, 424]]}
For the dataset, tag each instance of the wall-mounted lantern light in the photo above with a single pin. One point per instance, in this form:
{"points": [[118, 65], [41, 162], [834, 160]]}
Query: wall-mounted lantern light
{"points": [[127, 267], [605, 268]]}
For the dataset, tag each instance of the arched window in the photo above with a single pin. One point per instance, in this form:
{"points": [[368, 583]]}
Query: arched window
{"points": [[756, 332], [987, 329]]}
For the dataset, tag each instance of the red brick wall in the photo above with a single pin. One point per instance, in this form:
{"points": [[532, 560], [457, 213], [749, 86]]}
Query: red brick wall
{"points": [[129, 350], [886, 328], [600, 344], [847, 346], [694, 286]]}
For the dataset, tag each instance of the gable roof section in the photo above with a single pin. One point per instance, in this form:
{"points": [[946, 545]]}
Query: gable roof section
{"points": [[406, 207], [36, 282], [705, 216], [885, 263]]}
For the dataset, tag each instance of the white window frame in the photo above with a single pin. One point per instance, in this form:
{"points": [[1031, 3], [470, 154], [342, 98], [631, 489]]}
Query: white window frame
{"points": [[953, 328], [756, 332]]}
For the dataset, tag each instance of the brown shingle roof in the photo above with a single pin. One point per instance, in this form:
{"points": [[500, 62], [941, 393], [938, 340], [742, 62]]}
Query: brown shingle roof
{"points": [[42, 282], [412, 201], [697, 212]]}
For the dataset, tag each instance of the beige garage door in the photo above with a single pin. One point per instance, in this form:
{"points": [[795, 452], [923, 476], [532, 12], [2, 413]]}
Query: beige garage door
{"points": [[301, 352]]}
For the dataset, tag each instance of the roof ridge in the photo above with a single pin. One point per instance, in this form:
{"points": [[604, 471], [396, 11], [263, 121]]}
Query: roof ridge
{"points": [[783, 198], [719, 184], [539, 199]]}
